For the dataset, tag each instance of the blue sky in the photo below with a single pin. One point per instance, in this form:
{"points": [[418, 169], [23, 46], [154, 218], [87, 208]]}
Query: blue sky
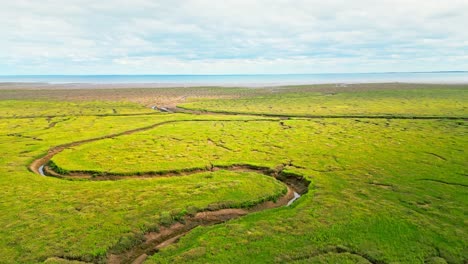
{"points": [[231, 36]]}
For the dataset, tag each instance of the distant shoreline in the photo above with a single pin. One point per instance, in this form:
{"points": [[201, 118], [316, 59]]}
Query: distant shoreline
{"points": [[240, 80], [98, 86], [32, 85]]}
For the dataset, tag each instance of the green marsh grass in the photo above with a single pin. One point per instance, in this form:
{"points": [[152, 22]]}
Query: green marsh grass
{"points": [[382, 191], [38, 108], [377, 184], [45, 217], [429, 101]]}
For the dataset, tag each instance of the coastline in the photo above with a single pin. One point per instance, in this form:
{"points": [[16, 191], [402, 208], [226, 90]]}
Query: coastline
{"points": [[91, 86], [240, 80]]}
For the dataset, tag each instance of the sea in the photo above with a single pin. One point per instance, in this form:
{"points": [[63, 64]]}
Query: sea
{"points": [[446, 77]]}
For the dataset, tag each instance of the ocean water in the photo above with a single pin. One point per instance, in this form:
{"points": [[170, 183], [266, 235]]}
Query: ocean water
{"points": [[254, 80]]}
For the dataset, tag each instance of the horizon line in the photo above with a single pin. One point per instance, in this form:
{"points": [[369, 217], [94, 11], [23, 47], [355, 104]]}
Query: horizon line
{"points": [[237, 74]]}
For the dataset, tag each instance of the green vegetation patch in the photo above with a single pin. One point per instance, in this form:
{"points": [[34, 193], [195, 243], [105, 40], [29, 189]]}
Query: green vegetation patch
{"points": [[43, 217], [442, 101], [383, 190], [380, 187], [27, 108]]}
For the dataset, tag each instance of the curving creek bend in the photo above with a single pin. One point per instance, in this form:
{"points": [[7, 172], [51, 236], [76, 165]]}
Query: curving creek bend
{"points": [[296, 185]]}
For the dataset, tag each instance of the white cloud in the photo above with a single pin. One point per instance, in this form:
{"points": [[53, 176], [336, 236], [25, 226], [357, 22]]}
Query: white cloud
{"points": [[231, 36]]}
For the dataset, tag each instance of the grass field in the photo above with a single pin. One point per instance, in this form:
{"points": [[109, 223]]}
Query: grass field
{"points": [[24, 109], [45, 217], [433, 101], [382, 190]]}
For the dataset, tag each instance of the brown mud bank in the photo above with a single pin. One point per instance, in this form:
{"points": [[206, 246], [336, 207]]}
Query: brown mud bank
{"points": [[154, 241], [297, 185]]}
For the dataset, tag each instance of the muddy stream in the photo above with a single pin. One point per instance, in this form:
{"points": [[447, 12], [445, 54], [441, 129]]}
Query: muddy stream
{"points": [[296, 185]]}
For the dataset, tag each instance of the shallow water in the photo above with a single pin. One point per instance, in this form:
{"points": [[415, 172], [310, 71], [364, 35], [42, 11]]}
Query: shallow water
{"points": [[296, 196], [247, 79], [41, 170]]}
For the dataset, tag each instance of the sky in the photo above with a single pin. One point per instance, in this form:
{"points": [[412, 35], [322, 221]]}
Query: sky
{"points": [[232, 36]]}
